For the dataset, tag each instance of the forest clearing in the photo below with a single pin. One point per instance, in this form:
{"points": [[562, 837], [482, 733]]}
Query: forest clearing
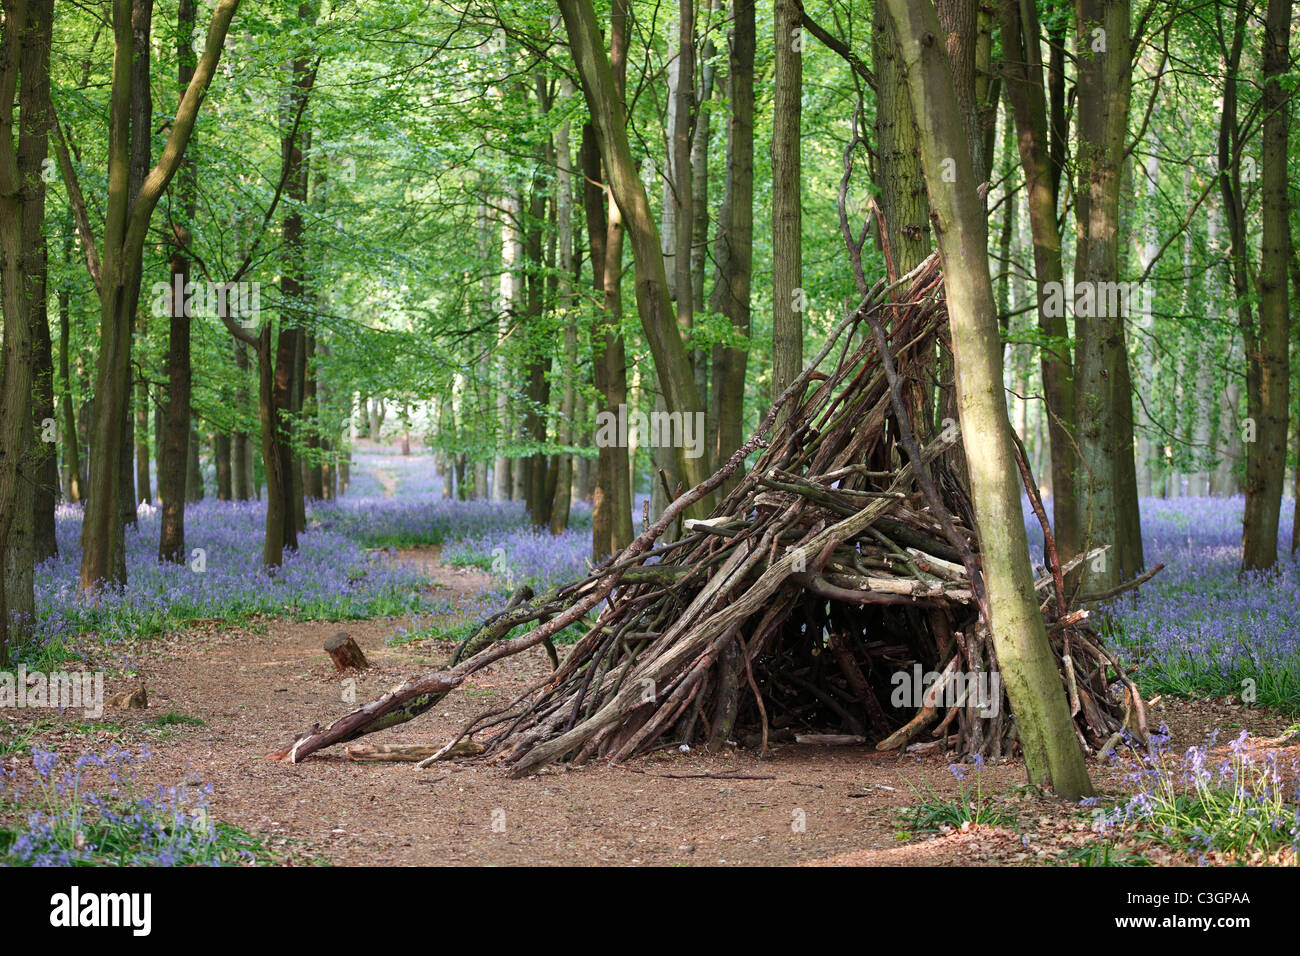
{"points": [[716, 433]]}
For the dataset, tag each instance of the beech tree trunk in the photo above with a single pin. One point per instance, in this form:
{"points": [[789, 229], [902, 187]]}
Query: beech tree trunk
{"points": [[24, 27], [1103, 81], [1023, 71], [221, 459], [176, 439], [241, 446], [672, 363], [118, 279], [72, 468], [313, 476], [194, 490], [290, 345], [734, 249], [568, 307], [1269, 359], [1025, 658], [508, 302], [612, 495], [902, 185], [33, 148], [788, 297]]}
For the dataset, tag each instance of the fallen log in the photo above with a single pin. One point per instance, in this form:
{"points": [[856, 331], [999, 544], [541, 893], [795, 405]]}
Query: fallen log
{"points": [[408, 753]]}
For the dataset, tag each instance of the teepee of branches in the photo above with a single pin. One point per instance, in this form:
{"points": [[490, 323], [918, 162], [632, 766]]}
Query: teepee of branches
{"points": [[844, 558]]}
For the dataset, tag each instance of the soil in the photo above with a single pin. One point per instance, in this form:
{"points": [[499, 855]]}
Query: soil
{"points": [[253, 688]]}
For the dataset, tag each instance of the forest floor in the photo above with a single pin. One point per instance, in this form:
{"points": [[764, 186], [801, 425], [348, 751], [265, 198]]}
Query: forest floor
{"points": [[233, 694]]}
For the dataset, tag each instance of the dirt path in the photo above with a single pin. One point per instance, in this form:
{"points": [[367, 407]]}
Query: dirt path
{"points": [[387, 480], [464, 583], [254, 688]]}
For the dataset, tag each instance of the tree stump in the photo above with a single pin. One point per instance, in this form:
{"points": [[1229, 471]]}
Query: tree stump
{"points": [[131, 699], [343, 651]]}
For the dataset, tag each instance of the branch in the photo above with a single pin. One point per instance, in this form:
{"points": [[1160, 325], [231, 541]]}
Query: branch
{"points": [[836, 45], [155, 184], [76, 199]]}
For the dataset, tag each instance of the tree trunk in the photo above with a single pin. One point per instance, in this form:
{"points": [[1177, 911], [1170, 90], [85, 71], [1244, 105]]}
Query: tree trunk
{"points": [[605, 105], [788, 297], [539, 350], [1269, 359], [72, 469], [612, 495], [242, 451], [172, 476], [221, 458], [23, 31], [1102, 42], [1025, 657], [568, 309], [902, 185], [1022, 68], [141, 159], [280, 530], [700, 251], [33, 148], [734, 249], [125, 229], [290, 346], [193, 471], [314, 480], [508, 303]]}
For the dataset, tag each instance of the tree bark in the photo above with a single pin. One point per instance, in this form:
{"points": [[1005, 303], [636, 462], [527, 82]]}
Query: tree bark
{"points": [[72, 469], [539, 348], [1269, 359], [902, 185], [33, 149], [221, 459], [788, 297], [291, 346], [734, 248], [508, 307], [1023, 72], [612, 496], [1024, 655], [671, 360], [241, 446], [176, 440], [314, 479], [194, 490], [568, 308], [118, 277], [1103, 81], [22, 25]]}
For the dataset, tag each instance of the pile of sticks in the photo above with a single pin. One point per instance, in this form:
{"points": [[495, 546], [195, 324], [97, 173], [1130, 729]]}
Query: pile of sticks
{"points": [[835, 589]]}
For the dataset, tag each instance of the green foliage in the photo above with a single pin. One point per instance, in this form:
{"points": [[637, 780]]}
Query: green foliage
{"points": [[973, 808]]}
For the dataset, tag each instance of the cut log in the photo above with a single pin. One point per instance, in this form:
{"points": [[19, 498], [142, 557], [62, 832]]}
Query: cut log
{"points": [[345, 653], [409, 753]]}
